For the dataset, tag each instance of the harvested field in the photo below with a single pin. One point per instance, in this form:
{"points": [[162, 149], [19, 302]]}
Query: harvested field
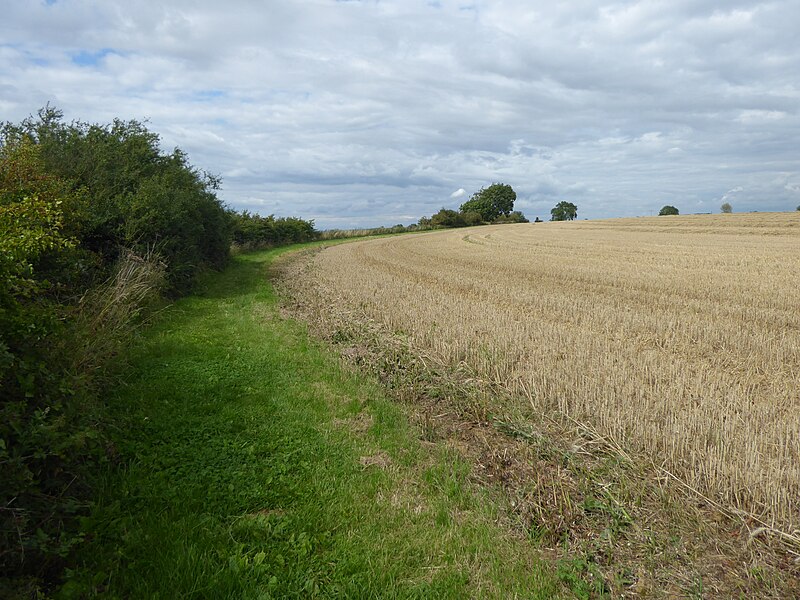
{"points": [[677, 338]]}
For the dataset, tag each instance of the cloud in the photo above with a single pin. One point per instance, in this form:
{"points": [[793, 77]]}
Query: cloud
{"points": [[458, 193], [756, 117], [358, 113], [730, 194]]}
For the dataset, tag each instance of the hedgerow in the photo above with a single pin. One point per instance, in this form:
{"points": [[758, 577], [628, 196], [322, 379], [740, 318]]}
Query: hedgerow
{"points": [[95, 223]]}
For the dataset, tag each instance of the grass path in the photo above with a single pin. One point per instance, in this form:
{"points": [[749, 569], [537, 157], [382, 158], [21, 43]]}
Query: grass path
{"points": [[250, 464]]}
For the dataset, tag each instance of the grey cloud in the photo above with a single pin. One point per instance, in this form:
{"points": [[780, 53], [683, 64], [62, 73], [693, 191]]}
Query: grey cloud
{"points": [[362, 113]]}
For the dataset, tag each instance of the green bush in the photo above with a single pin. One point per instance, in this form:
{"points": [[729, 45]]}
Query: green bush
{"points": [[40, 445], [448, 218], [134, 196], [491, 202], [668, 210], [513, 217], [254, 231], [472, 217]]}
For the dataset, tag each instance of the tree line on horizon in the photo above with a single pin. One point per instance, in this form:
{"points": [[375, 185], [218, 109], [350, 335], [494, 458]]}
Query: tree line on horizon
{"points": [[491, 205]]}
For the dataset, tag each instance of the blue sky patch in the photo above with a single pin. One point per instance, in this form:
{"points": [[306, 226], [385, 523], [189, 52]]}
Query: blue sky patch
{"points": [[88, 58]]}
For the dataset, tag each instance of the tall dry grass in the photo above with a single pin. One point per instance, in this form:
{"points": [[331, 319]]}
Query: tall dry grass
{"points": [[676, 337], [110, 312]]}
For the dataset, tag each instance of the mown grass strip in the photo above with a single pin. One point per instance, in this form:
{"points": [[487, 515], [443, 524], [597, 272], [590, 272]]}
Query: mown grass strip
{"points": [[250, 464]]}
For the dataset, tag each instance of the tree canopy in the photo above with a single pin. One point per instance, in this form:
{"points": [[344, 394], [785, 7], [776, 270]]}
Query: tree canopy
{"points": [[491, 202], [129, 194], [564, 211], [668, 210]]}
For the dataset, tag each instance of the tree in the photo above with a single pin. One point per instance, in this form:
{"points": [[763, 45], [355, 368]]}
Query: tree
{"points": [[726, 208], [448, 218], [136, 197], [564, 211], [514, 216], [472, 217], [491, 202], [668, 210]]}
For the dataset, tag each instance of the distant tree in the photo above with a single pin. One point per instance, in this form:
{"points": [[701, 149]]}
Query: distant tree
{"points": [[254, 231], [448, 218], [472, 217], [564, 211], [491, 202], [538, 220], [798, 208], [726, 208], [668, 210], [514, 216]]}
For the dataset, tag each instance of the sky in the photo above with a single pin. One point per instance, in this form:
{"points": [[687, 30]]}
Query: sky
{"points": [[376, 112]]}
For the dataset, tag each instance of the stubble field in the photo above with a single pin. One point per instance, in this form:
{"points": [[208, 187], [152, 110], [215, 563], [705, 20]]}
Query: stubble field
{"points": [[675, 338]]}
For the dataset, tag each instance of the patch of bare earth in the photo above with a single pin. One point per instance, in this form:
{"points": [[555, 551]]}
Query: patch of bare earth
{"points": [[584, 502]]}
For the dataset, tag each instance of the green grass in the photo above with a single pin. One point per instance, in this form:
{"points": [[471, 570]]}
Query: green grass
{"points": [[250, 464]]}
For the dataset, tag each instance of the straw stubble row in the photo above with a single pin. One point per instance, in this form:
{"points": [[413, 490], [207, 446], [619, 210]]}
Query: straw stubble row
{"points": [[677, 337]]}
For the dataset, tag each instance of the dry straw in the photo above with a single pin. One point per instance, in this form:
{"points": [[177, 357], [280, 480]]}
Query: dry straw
{"points": [[676, 338]]}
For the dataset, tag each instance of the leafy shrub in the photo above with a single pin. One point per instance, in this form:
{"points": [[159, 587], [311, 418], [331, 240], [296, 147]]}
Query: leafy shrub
{"points": [[254, 231], [38, 443], [564, 211], [513, 217], [491, 202], [668, 210], [448, 218], [472, 217], [134, 196]]}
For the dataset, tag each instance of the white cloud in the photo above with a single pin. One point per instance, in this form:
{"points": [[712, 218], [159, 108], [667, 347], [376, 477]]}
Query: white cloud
{"points": [[362, 113], [730, 194], [756, 117], [458, 193]]}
